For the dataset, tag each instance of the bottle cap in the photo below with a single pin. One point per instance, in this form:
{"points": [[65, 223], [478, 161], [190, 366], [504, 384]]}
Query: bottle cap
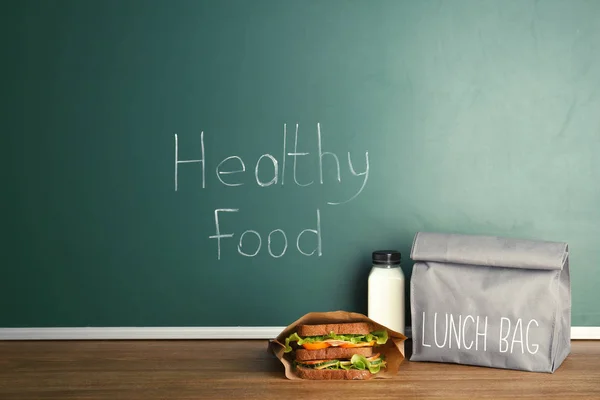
{"points": [[386, 257]]}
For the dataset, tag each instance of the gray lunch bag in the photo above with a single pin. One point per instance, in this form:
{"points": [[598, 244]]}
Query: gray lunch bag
{"points": [[490, 301]]}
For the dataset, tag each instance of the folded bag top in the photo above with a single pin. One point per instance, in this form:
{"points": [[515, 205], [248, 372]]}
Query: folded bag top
{"points": [[490, 251], [490, 301]]}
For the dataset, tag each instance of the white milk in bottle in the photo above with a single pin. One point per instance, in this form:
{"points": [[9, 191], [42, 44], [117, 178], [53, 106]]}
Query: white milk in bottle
{"points": [[386, 290]]}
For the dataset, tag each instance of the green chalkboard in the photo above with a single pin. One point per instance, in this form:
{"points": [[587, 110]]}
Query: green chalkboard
{"points": [[127, 125]]}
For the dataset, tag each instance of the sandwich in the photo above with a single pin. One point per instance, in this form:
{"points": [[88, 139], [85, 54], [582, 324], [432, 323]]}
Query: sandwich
{"points": [[336, 351]]}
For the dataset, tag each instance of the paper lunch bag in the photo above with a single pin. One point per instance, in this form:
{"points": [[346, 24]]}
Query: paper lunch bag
{"points": [[490, 301]]}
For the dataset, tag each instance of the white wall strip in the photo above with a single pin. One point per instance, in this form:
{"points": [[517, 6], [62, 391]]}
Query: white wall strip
{"points": [[126, 333], [157, 333], [585, 332]]}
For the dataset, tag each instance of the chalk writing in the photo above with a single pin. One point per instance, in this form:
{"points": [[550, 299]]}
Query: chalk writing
{"points": [[218, 235], [365, 174], [177, 161], [230, 170], [275, 171], [295, 154], [242, 240], [285, 245], [327, 153], [219, 173], [240, 247]]}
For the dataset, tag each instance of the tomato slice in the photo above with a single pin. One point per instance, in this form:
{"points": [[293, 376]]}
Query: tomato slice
{"points": [[316, 345], [353, 345]]}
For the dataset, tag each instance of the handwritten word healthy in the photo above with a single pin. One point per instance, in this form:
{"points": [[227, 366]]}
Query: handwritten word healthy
{"points": [[455, 333], [232, 165], [228, 167]]}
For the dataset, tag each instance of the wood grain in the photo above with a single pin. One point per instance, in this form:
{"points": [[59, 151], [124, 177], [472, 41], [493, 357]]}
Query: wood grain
{"points": [[243, 369]]}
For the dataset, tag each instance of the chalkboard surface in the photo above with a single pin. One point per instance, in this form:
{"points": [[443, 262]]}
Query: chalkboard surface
{"points": [[224, 163]]}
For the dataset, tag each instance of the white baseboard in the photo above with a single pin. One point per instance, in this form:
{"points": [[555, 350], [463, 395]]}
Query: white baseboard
{"points": [[131, 333], [165, 333], [585, 332]]}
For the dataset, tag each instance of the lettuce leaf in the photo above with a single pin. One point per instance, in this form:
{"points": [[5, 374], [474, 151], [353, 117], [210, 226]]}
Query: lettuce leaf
{"points": [[348, 338], [359, 361], [292, 338], [380, 336], [356, 362], [346, 365], [374, 368]]}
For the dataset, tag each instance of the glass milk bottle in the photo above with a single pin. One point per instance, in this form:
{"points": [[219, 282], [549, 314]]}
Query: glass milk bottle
{"points": [[386, 290]]}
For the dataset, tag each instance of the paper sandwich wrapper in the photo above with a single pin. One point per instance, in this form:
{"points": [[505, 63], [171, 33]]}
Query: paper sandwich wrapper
{"points": [[393, 350]]}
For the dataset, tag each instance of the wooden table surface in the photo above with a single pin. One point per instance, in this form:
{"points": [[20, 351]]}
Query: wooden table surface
{"points": [[232, 369]]}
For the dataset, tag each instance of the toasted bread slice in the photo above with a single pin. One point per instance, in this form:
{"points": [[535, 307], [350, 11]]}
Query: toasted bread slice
{"points": [[332, 353], [333, 374], [352, 328]]}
